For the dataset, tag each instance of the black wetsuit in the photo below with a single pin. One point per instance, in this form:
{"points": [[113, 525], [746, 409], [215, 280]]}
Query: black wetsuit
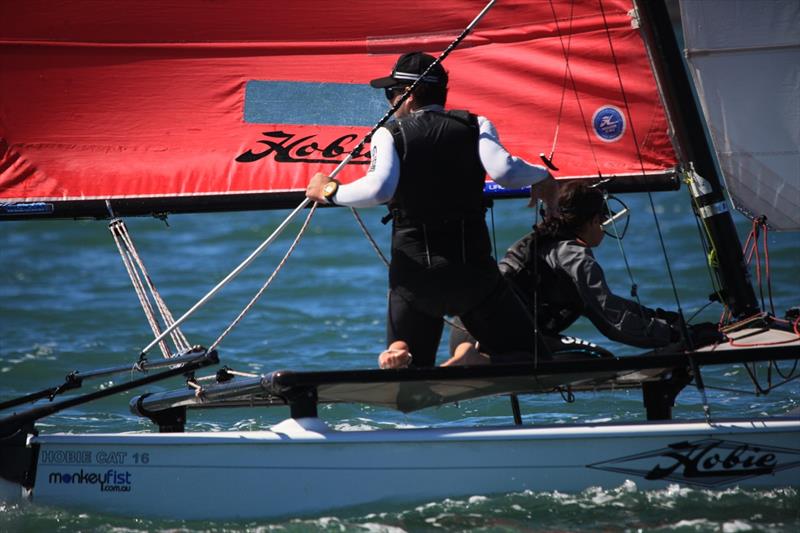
{"points": [[571, 283], [558, 279], [441, 252]]}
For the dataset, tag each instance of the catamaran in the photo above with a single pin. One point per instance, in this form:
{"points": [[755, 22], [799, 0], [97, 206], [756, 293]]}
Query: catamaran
{"points": [[234, 108]]}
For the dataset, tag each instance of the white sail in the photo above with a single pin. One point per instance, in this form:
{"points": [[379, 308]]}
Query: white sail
{"points": [[744, 58]]}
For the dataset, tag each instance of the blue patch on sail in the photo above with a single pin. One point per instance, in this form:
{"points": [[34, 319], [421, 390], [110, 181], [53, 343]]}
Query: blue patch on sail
{"points": [[313, 103], [494, 190], [608, 123], [33, 208]]}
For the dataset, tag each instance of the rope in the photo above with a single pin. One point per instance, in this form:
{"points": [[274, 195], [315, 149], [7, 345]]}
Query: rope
{"points": [[177, 336], [235, 272], [759, 223], [266, 285], [759, 390], [306, 202], [139, 289], [766, 265], [136, 271], [752, 244]]}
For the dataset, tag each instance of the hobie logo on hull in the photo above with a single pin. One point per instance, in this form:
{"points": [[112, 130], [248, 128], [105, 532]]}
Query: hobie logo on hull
{"points": [[108, 481], [707, 462]]}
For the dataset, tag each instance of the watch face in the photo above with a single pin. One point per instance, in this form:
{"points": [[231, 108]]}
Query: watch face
{"points": [[330, 189]]}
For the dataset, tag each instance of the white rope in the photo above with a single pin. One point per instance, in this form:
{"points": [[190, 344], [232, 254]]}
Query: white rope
{"points": [[138, 286], [137, 271], [268, 282], [227, 279], [178, 338]]}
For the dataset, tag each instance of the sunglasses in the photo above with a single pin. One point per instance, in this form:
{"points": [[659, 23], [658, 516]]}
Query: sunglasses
{"points": [[392, 92]]}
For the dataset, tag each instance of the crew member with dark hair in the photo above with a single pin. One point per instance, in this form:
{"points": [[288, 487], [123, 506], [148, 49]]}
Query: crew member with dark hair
{"points": [[553, 271], [429, 165]]}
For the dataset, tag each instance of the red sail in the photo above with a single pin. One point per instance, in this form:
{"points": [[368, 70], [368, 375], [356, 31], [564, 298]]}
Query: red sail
{"points": [[182, 106]]}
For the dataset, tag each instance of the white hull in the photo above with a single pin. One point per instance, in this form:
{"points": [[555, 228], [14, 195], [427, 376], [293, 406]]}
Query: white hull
{"points": [[301, 469]]}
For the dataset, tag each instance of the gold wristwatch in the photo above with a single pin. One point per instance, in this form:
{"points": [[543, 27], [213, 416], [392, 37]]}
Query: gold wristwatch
{"points": [[329, 190]]}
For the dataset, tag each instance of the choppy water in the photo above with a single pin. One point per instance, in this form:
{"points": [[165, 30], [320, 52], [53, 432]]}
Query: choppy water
{"points": [[66, 303]]}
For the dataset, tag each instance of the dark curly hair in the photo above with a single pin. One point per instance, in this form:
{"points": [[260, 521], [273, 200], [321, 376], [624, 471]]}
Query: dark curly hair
{"points": [[578, 203]]}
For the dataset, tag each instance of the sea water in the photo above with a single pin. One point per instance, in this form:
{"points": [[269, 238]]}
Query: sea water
{"points": [[66, 304]]}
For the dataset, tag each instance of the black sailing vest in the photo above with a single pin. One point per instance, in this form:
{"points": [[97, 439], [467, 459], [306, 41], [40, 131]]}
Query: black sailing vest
{"points": [[441, 174]]}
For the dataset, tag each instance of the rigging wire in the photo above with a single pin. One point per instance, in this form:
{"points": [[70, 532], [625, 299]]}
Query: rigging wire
{"points": [[684, 327], [267, 283], [702, 308], [641, 165], [565, 52], [369, 236], [227, 279], [634, 286]]}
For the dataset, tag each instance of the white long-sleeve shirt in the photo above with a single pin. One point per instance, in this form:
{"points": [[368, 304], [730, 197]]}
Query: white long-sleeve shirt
{"points": [[379, 184]]}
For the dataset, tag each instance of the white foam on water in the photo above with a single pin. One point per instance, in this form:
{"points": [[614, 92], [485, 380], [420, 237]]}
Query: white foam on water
{"points": [[736, 526]]}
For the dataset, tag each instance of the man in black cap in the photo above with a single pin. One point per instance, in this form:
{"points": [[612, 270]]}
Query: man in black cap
{"points": [[429, 165]]}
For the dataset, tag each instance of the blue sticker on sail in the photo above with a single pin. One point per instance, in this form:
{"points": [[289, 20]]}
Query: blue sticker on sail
{"points": [[313, 103], [33, 208], [608, 123]]}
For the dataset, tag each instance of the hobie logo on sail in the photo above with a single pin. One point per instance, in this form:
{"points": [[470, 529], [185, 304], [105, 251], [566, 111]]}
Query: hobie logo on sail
{"points": [[331, 109], [608, 123]]}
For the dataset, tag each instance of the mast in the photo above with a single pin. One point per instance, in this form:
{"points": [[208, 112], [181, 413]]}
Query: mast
{"points": [[694, 152]]}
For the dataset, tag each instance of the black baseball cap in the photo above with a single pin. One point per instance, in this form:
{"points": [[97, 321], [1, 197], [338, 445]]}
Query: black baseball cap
{"points": [[409, 68]]}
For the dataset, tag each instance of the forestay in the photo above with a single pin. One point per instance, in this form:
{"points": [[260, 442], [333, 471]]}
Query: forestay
{"points": [[167, 107]]}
